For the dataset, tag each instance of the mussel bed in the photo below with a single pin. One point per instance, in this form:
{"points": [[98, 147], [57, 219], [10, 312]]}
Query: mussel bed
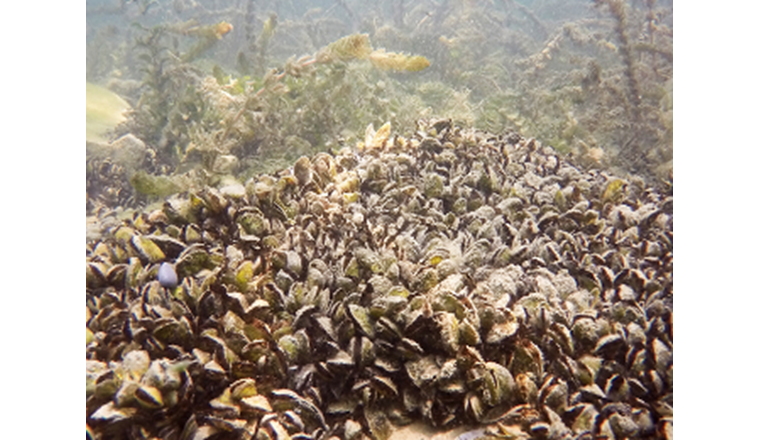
{"points": [[456, 276]]}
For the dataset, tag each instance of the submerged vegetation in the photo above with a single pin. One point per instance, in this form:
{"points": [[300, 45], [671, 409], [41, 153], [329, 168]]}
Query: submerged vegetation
{"points": [[229, 92]]}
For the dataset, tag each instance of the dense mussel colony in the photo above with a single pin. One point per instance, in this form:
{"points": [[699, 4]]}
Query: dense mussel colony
{"points": [[455, 277]]}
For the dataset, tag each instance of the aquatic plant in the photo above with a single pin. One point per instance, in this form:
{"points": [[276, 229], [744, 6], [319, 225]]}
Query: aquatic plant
{"points": [[583, 83], [398, 62], [494, 65], [171, 111], [350, 47], [207, 36], [226, 125]]}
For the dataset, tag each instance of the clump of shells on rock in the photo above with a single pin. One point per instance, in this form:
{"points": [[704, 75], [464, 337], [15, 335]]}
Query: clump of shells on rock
{"points": [[456, 277]]}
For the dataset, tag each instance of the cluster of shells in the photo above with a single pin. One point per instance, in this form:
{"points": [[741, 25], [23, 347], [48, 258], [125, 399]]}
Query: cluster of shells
{"points": [[107, 184], [455, 277]]}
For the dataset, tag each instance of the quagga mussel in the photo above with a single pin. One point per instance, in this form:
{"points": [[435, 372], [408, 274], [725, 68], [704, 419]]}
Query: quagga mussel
{"points": [[455, 276]]}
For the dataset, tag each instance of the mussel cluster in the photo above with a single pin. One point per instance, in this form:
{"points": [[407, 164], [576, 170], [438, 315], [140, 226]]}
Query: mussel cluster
{"points": [[456, 277], [107, 184]]}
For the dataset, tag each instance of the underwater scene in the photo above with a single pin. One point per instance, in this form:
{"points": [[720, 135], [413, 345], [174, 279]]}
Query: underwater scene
{"points": [[402, 219]]}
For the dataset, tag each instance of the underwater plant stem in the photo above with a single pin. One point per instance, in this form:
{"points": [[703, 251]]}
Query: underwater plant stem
{"points": [[258, 93], [633, 151], [617, 7], [240, 112], [308, 62]]}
